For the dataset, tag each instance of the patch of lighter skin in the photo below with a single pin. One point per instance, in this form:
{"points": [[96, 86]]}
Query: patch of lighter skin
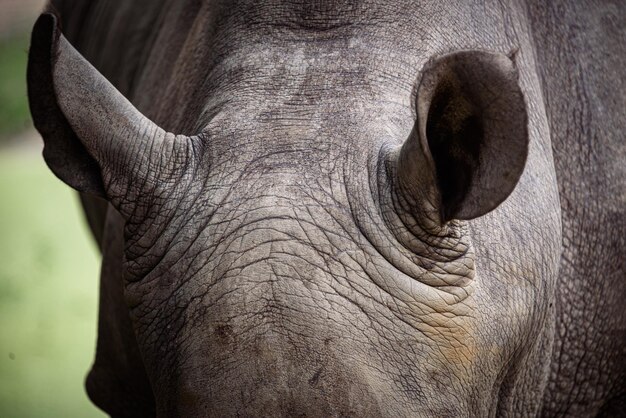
{"points": [[453, 331], [275, 64]]}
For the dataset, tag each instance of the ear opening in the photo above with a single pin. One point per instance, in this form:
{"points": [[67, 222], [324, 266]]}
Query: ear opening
{"points": [[63, 151], [472, 129], [455, 132]]}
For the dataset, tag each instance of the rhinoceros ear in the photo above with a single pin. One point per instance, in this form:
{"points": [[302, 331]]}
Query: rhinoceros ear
{"points": [[469, 145], [95, 140]]}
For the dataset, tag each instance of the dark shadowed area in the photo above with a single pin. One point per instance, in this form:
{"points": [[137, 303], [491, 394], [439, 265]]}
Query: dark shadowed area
{"points": [[48, 262]]}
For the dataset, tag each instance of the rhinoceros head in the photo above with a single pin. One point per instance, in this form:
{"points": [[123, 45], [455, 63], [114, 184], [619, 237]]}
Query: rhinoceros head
{"points": [[317, 263]]}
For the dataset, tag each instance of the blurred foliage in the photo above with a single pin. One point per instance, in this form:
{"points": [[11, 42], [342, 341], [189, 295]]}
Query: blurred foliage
{"points": [[14, 113], [48, 263], [48, 290]]}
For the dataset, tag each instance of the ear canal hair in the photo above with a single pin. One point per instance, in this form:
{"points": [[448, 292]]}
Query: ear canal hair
{"points": [[472, 131]]}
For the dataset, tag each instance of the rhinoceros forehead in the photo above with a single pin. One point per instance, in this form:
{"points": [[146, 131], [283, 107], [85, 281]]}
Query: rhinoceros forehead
{"points": [[296, 257], [299, 238]]}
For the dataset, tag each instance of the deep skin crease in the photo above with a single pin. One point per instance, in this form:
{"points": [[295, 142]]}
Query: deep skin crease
{"points": [[279, 274]]}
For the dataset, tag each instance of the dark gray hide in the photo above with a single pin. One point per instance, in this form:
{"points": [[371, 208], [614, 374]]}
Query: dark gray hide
{"points": [[346, 208]]}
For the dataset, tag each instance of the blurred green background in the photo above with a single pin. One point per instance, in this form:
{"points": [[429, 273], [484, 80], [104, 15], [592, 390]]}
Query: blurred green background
{"points": [[48, 261]]}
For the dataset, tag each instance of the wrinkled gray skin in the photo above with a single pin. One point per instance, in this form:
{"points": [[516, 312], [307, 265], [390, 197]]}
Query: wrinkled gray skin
{"points": [[304, 245]]}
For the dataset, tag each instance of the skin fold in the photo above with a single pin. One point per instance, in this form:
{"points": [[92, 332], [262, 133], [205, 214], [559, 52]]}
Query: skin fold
{"points": [[342, 208]]}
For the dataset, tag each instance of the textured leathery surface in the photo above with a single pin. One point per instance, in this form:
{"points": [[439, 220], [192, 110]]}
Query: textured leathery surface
{"points": [[581, 52], [304, 245]]}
